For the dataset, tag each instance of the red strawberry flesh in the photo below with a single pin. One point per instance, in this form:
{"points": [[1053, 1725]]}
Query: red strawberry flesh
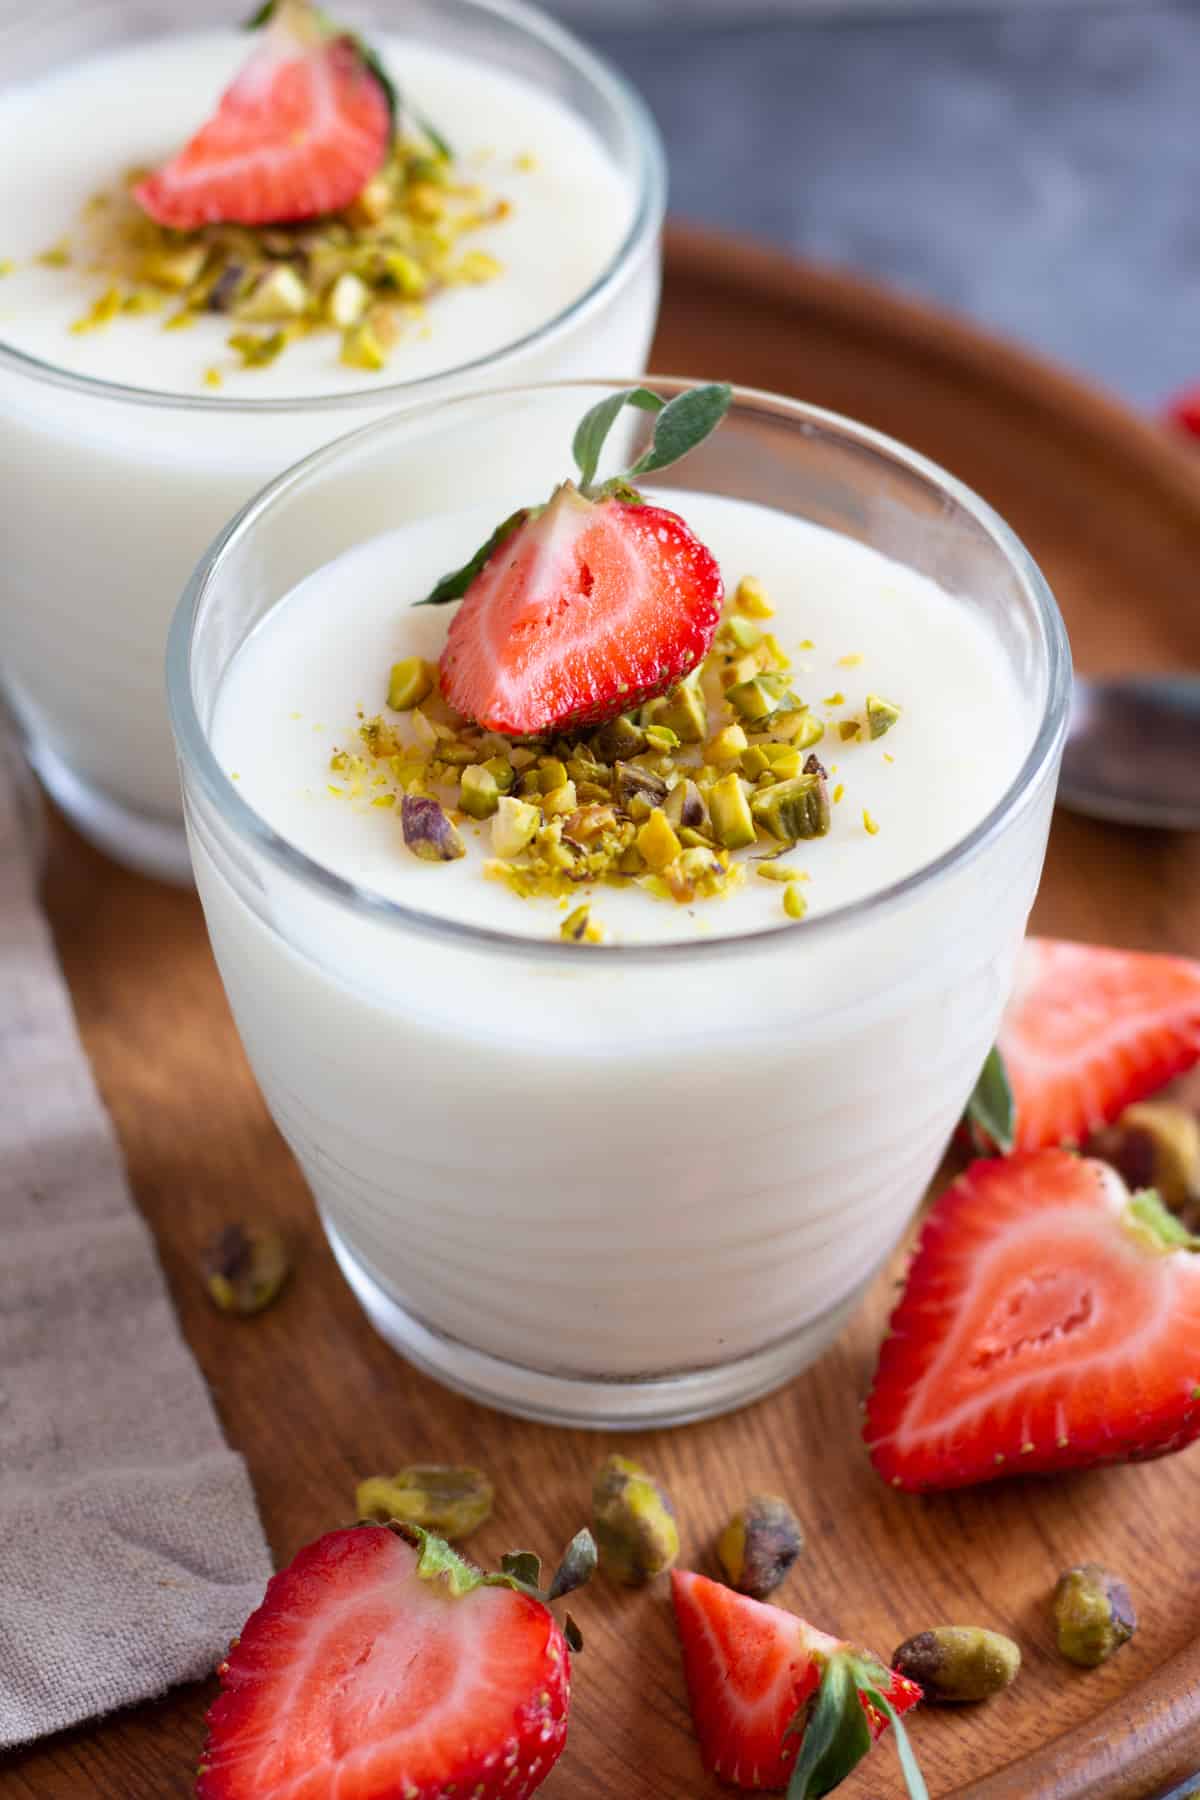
{"points": [[299, 133], [1039, 1330], [358, 1677], [750, 1668], [1089, 1031], [583, 612]]}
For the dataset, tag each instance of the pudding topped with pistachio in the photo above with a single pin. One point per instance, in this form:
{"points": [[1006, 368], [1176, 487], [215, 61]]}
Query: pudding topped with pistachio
{"points": [[629, 715], [341, 208]]}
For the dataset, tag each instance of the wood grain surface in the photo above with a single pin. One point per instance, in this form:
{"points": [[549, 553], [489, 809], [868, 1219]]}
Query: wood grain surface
{"points": [[315, 1401]]}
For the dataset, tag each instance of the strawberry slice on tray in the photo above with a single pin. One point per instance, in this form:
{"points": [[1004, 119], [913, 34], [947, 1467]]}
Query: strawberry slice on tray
{"points": [[299, 133], [1050, 1321], [586, 606], [775, 1702], [383, 1666], [1089, 1031]]}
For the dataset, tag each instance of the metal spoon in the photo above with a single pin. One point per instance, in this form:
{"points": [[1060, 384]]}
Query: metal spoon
{"points": [[1133, 751]]}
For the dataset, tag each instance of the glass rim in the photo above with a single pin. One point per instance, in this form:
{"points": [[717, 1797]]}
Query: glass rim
{"points": [[199, 760], [644, 229]]}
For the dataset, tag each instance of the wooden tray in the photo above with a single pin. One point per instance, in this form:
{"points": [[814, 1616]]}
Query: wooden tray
{"points": [[315, 1401]]}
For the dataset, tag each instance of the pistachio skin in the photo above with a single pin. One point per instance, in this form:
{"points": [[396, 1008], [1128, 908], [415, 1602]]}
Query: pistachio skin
{"points": [[633, 1522], [760, 1545], [1093, 1615], [957, 1665], [449, 1501]]}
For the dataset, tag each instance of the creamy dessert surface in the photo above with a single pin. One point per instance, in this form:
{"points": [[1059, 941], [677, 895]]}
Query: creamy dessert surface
{"points": [[567, 212], [852, 622]]}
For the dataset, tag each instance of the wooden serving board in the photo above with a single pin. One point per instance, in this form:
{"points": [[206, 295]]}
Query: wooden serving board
{"points": [[316, 1402]]}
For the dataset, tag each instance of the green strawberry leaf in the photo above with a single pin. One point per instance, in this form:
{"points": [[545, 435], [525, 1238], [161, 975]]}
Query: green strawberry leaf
{"points": [[992, 1110], [262, 17], [524, 1566], [577, 1566], [594, 427], [430, 132], [836, 1734], [913, 1778], [455, 585], [1154, 1220], [683, 424]]}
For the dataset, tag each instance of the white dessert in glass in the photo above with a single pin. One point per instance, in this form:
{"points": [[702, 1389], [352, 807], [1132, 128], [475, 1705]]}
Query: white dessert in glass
{"points": [[120, 457], [644, 1180]]}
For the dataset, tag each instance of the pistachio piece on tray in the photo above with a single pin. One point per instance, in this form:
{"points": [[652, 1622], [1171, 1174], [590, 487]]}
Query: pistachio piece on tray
{"points": [[954, 1664], [759, 1546], [633, 1521], [1093, 1615], [245, 1266], [452, 1502]]}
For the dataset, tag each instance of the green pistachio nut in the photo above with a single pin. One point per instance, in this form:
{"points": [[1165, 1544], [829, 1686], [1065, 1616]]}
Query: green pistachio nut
{"points": [[685, 808], [759, 1545], [682, 711], [410, 682], [794, 809], [881, 715], [618, 740], [633, 1521], [957, 1664], [428, 833], [479, 793], [502, 773], [755, 699], [633, 783], [733, 823], [245, 1266], [452, 1502], [1093, 1615], [514, 826]]}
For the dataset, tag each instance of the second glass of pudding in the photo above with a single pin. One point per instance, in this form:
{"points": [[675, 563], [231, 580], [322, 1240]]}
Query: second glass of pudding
{"points": [[645, 1179], [125, 445]]}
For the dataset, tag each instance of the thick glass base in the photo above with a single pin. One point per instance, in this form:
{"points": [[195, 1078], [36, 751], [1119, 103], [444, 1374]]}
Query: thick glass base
{"points": [[149, 846], [602, 1405]]}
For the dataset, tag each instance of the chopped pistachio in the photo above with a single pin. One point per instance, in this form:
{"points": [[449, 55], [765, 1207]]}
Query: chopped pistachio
{"points": [[838, 699], [553, 773], [479, 794], [729, 744], [684, 806], [405, 274], [755, 762], [245, 1266], [881, 715], [279, 295], [410, 682], [7, 266], [361, 349], [452, 1502], [783, 760], [577, 927], [850, 662], [849, 729], [767, 869], [754, 699], [661, 737], [100, 313], [1093, 1615], [793, 809], [794, 903], [809, 731], [657, 841], [743, 634], [560, 800], [750, 597], [870, 823], [632, 783], [502, 773], [428, 832], [733, 823], [619, 740], [682, 711], [348, 300], [176, 268], [513, 827], [255, 349]]}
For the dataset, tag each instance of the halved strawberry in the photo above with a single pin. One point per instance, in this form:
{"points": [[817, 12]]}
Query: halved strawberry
{"points": [[1088, 1031], [768, 1691], [299, 133], [1183, 411], [1049, 1322], [381, 1666], [584, 611], [580, 609]]}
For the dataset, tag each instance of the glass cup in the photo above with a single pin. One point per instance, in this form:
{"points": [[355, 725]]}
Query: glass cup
{"points": [[557, 1177], [109, 494]]}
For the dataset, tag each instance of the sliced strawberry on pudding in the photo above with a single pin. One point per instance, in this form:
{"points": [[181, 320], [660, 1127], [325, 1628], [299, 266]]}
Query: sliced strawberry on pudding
{"points": [[383, 1666], [1049, 1321], [775, 1702], [1089, 1031], [300, 132], [1184, 411], [587, 606]]}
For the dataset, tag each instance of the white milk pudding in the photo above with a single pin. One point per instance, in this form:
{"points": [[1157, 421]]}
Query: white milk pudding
{"points": [[136, 428], [644, 1178], [853, 624]]}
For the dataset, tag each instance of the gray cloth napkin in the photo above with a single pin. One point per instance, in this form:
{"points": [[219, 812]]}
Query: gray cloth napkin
{"points": [[130, 1546]]}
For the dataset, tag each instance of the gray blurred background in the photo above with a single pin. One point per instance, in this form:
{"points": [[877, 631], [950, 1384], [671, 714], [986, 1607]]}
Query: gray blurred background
{"points": [[1034, 164]]}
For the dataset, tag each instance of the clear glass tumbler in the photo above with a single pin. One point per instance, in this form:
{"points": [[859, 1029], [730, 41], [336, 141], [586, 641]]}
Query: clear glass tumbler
{"points": [[109, 494], [618, 1257]]}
